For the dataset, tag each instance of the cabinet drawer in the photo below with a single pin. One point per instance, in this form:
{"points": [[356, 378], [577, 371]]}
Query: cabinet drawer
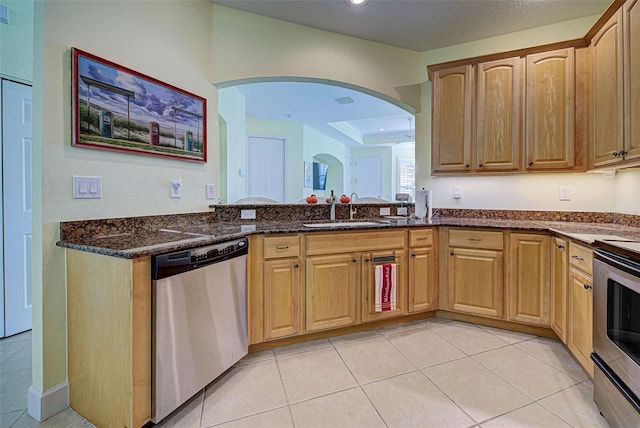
{"points": [[581, 258], [421, 238], [333, 243], [281, 246], [476, 239]]}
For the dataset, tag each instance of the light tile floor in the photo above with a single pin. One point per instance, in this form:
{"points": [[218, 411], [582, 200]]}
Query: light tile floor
{"points": [[429, 373]]}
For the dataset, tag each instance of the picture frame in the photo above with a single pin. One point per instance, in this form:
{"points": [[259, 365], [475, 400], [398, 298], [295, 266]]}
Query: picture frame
{"points": [[119, 109], [308, 174]]}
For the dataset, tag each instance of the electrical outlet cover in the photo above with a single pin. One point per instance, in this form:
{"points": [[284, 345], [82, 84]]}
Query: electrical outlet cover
{"points": [[175, 191], [210, 191]]}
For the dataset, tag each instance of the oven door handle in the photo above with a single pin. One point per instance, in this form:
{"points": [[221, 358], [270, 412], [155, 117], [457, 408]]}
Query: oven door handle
{"points": [[605, 257]]}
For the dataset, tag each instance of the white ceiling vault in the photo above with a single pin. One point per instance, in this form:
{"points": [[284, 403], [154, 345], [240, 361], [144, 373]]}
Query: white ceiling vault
{"points": [[418, 25], [422, 25]]}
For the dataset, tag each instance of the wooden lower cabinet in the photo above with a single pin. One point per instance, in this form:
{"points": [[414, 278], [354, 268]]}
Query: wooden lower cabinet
{"points": [[368, 286], [559, 278], [580, 331], [109, 338], [332, 291], [528, 289], [475, 281], [422, 285], [282, 298]]}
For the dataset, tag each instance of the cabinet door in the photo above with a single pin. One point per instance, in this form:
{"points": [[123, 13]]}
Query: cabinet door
{"points": [[331, 291], [369, 286], [499, 115], [475, 281], [422, 282], [631, 40], [580, 328], [606, 51], [528, 290], [283, 298], [559, 266], [550, 110], [451, 119]]}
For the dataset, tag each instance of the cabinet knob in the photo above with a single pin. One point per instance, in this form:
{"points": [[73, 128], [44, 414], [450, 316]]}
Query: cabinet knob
{"points": [[467, 166], [587, 286], [530, 163], [479, 165], [451, 253], [560, 247], [354, 260], [622, 153], [615, 154], [296, 266], [413, 254]]}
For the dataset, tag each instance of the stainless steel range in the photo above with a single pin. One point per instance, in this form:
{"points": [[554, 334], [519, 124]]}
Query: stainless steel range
{"points": [[616, 335]]}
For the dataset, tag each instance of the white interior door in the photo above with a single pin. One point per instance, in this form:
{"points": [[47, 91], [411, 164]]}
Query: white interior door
{"points": [[367, 174], [266, 169], [17, 201]]}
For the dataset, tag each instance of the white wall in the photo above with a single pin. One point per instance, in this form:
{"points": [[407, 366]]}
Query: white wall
{"points": [[628, 192], [232, 108], [16, 41], [170, 41]]}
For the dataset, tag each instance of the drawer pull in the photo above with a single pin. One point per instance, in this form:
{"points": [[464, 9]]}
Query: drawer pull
{"points": [[413, 254], [475, 239], [577, 258], [587, 286], [282, 247], [422, 238]]}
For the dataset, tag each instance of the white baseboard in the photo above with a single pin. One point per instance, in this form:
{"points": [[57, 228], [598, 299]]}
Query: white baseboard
{"points": [[41, 405]]}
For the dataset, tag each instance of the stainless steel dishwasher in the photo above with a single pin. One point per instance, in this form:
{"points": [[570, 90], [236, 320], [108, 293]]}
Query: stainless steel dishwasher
{"points": [[199, 320]]}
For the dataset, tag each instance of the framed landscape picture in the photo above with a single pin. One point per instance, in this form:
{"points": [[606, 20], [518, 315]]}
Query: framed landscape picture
{"points": [[115, 108]]}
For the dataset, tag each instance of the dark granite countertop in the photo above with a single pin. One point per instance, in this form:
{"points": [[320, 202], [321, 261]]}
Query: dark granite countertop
{"points": [[136, 243]]}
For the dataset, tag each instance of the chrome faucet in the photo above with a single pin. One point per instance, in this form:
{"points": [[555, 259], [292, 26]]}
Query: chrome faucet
{"points": [[332, 206], [352, 210]]}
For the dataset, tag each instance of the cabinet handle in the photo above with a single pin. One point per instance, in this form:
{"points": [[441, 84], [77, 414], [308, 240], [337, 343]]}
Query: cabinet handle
{"points": [[413, 254], [467, 166], [475, 239], [560, 247], [282, 247], [622, 153], [530, 163], [296, 266], [451, 253], [421, 239], [577, 258], [587, 286], [615, 154]]}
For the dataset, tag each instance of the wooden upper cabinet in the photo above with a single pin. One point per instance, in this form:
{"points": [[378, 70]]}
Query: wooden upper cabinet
{"points": [[499, 115], [631, 41], [607, 131], [550, 110], [451, 120]]}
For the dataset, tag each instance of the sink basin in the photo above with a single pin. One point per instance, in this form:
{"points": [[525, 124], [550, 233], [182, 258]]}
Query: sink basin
{"points": [[342, 224]]}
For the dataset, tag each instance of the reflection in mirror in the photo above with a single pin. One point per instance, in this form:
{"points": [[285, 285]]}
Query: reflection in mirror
{"points": [[286, 140]]}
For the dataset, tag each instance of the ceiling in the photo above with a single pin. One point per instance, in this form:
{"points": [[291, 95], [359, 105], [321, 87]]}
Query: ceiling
{"points": [[417, 25], [422, 25], [367, 121]]}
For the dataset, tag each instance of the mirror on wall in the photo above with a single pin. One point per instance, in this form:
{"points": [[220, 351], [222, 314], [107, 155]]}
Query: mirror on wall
{"points": [[282, 141]]}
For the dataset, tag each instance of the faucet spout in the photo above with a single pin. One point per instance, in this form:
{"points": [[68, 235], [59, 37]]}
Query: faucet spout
{"points": [[332, 206], [352, 210]]}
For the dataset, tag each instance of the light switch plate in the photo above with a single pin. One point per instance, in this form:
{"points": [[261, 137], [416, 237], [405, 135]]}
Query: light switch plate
{"points": [[247, 214], [87, 187], [175, 190], [456, 192], [210, 191], [564, 193]]}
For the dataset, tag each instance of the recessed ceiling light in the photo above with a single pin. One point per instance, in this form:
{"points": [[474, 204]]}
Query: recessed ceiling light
{"points": [[357, 2], [381, 129], [345, 100]]}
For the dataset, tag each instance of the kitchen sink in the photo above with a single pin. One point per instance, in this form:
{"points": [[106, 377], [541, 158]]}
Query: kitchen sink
{"points": [[341, 224]]}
